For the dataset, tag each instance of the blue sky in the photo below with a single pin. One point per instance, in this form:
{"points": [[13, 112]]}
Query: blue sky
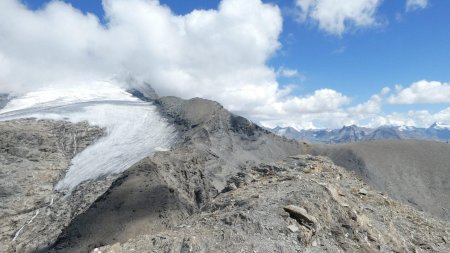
{"points": [[399, 46]]}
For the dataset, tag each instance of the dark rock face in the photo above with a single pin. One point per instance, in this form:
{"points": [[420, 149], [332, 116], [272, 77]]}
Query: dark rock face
{"points": [[141, 90]]}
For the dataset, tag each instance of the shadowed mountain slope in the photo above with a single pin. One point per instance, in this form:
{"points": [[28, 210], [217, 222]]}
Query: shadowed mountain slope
{"points": [[415, 172]]}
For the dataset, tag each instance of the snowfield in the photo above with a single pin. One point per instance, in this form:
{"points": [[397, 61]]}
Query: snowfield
{"points": [[134, 129]]}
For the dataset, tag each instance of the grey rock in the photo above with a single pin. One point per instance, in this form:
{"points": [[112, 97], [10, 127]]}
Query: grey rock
{"points": [[363, 191], [302, 216], [34, 155], [293, 228]]}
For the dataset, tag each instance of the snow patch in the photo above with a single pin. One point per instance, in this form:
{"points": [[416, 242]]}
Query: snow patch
{"points": [[21, 228], [405, 128], [134, 128]]}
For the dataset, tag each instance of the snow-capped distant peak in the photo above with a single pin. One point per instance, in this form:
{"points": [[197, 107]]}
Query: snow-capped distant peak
{"points": [[405, 128], [440, 126], [282, 131]]}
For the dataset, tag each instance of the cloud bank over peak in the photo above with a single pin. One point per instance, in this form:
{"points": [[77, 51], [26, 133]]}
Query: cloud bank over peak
{"points": [[219, 54], [422, 92], [177, 54]]}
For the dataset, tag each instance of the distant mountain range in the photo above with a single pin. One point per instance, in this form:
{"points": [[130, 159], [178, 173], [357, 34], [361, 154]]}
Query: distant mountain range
{"points": [[353, 133]]}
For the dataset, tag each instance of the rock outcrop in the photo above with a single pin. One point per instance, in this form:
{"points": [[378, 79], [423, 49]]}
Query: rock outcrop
{"points": [[34, 155]]}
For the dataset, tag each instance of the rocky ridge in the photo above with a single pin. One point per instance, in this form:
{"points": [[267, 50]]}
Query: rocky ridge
{"points": [[300, 204], [157, 192]]}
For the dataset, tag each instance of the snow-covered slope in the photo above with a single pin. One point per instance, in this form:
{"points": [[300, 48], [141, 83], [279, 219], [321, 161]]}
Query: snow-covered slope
{"points": [[134, 128], [440, 126]]}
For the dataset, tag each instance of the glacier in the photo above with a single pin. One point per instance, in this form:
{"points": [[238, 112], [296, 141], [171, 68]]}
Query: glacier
{"points": [[134, 128]]}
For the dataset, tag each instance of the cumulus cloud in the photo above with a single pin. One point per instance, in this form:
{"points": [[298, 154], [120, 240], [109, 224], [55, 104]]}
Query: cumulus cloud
{"points": [[219, 54], [416, 4], [287, 72], [179, 55], [369, 113], [336, 16], [373, 105], [322, 100], [422, 92], [417, 118]]}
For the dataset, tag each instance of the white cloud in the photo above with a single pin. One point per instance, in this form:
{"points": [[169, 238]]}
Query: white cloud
{"points": [[372, 106], [336, 16], [422, 92], [417, 118], [416, 4], [368, 114], [216, 54], [287, 72], [324, 100]]}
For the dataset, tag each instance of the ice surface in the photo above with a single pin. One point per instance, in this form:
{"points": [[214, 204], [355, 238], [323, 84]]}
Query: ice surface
{"points": [[134, 128]]}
